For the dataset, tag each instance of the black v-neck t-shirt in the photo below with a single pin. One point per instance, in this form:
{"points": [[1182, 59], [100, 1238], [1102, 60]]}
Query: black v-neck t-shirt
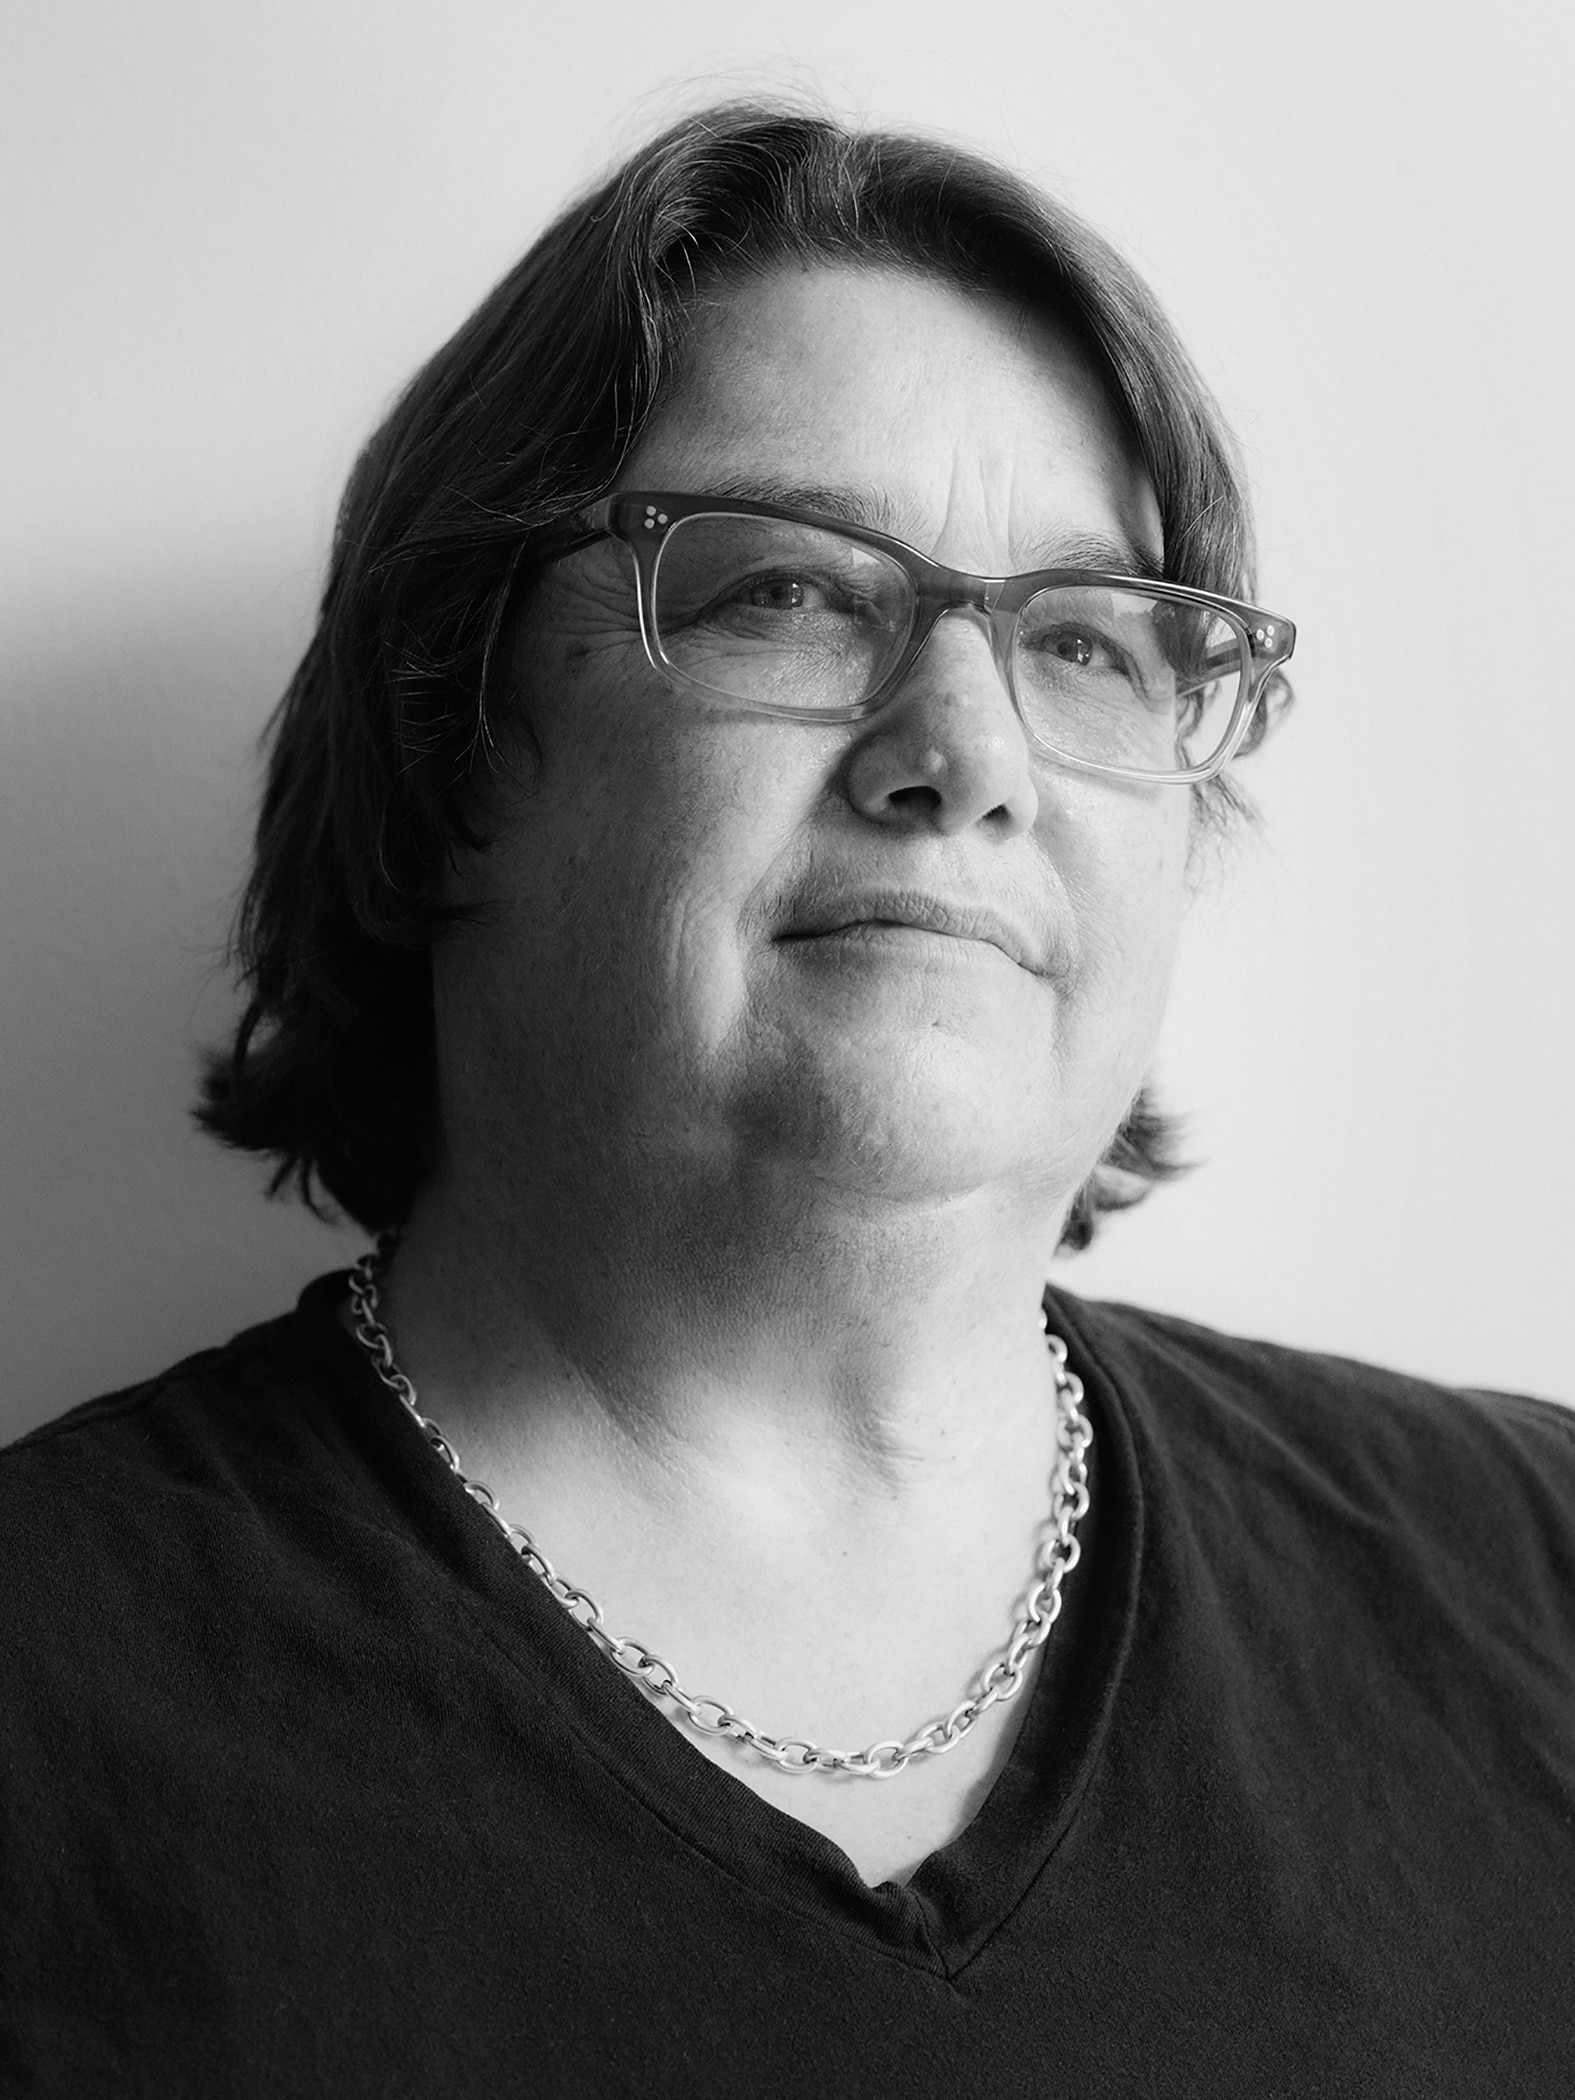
{"points": [[306, 1787]]}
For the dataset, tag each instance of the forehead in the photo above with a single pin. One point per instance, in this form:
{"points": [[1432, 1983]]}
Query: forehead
{"points": [[976, 431]]}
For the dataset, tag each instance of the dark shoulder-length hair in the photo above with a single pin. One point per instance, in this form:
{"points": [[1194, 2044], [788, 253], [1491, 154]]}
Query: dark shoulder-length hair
{"points": [[517, 423]]}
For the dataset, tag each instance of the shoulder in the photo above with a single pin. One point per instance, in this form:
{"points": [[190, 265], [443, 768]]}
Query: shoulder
{"points": [[1265, 1387], [1343, 1464], [153, 1428], [123, 1484], [174, 1550]]}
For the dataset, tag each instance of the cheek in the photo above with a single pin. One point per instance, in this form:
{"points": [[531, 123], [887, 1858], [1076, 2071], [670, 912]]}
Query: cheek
{"points": [[624, 876], [1129, 887]]}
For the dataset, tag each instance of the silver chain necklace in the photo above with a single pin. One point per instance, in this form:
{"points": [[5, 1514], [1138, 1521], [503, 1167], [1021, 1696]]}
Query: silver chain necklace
{"points": [[1001, 1679]]}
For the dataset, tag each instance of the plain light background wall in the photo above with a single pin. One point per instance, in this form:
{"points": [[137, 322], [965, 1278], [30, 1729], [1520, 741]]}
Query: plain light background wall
{"points": [[234, 229]]}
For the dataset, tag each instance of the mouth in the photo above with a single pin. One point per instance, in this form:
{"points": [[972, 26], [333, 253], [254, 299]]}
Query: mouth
{"points": [[891, 915]]}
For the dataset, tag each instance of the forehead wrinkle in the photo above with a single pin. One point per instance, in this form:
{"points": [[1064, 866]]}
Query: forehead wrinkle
{"points": [[1124, 549]]}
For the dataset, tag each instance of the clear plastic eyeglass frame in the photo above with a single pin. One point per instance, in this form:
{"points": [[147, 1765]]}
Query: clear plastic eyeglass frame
{"points": [[643, 519]]}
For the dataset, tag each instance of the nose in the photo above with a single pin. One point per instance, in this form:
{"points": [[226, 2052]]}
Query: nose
{"points": [[947, 750]]}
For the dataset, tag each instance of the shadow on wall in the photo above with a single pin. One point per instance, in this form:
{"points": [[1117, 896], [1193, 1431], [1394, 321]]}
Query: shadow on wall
{"points": [[130, 763]]}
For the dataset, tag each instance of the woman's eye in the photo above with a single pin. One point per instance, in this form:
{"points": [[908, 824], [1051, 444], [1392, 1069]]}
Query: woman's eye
{"points": [[784, 594], [1074, 646]]}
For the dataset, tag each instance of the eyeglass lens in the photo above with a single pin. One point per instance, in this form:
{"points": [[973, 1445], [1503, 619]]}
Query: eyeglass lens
{"points": [[794, 616]]}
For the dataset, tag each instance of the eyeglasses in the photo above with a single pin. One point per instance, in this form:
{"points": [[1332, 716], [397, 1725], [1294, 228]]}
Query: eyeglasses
{"points": [[783, 612]]}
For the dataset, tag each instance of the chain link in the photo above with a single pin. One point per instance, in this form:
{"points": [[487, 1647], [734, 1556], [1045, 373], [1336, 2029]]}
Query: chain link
{"points": [[1002, 1678]]}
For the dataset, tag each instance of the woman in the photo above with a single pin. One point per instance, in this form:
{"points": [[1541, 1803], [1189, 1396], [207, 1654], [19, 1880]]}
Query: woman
{"points": [[715, 900]]}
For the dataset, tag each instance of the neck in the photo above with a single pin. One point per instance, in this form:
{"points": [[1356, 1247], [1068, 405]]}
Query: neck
{"points": [[778, 1331]]}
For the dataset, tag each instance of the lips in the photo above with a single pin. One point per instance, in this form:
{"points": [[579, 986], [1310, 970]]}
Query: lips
{"points": [[851, 911]]}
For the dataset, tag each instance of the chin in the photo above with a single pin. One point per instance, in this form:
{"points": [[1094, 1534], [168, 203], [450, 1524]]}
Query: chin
{"points": [[920, 1126]]}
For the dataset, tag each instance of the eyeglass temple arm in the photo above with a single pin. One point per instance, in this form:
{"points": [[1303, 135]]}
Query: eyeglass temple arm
{"points": [[1268, 651], [582, 528]]}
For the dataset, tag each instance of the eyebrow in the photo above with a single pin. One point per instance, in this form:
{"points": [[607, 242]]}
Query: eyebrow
{"points": [[852, 504], [858, 504]]}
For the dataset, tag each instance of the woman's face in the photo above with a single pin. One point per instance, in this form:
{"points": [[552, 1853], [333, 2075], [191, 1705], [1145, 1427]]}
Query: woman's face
{"points": [[905, 956]]}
